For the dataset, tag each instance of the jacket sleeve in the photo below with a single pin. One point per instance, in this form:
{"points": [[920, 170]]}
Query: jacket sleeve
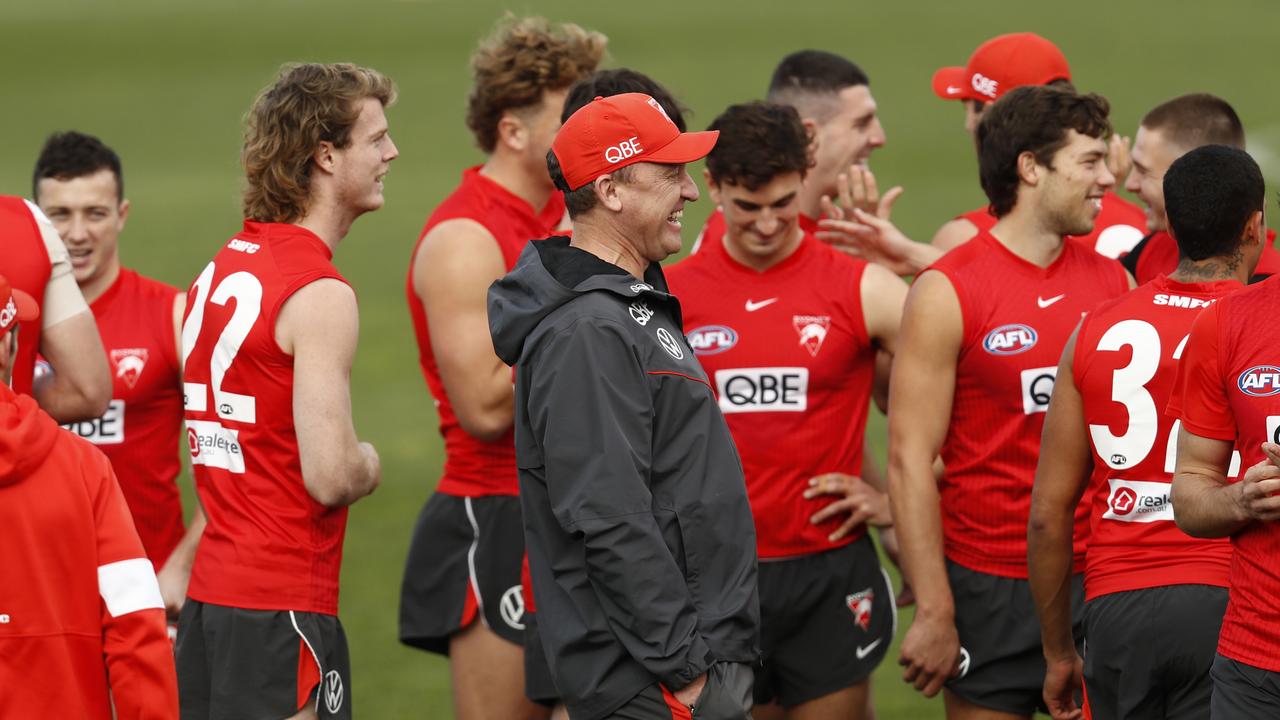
{"points": [[591, 411], [135, 641]]}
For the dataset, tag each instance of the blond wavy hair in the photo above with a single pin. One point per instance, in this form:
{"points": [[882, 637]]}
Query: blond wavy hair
{"points": [[306, 105], [518, 62]]}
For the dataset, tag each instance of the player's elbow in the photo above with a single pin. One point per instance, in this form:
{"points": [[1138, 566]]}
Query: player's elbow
{"points": [[485, 425], [329, 489]]}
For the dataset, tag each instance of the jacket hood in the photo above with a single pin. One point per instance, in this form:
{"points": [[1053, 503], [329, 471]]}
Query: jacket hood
{"points": [[27, 435], [549, 274]]}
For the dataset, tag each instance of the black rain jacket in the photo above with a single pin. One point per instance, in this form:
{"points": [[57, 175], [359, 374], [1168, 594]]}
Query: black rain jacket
{"points": [[641, 544]]}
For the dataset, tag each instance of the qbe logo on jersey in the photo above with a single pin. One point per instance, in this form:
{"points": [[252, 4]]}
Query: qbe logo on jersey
{"points": [[1010, 339], [770, 389], [1037, 388], [213, 445], [1138, 501], [105, 430], [1260, 381]]}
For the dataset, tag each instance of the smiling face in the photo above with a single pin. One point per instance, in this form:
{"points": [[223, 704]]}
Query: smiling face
{"points": [[847, 137], [762, 226], [89, 215], [1070, 196], [653, 199], [1152, 156], [360, 167]]}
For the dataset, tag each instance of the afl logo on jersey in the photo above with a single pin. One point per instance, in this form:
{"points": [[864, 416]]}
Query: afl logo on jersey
{"points": [[1009, 340], [1260, 381], [712, 339]]}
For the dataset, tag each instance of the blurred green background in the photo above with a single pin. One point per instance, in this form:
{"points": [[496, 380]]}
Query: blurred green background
{"points": [[166, 82]]}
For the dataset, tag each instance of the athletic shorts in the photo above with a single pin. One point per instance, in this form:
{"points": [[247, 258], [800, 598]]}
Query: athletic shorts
{"points": [[235, 663], [1243, 692], [726, 696], [539, 686], [826, 621], [1001, 656], [463, 565], [1148, 652]]}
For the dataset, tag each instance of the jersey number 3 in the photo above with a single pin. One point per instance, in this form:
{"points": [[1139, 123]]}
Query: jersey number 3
{"points": [[246, 290]]}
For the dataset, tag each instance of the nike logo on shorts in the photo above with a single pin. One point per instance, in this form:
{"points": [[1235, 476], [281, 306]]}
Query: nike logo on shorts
{"points": [[864, 650]]}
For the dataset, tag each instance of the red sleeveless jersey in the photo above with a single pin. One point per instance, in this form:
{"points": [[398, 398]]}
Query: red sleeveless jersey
{"points": [[25, 263], [711, 237], [1159, 257], [1017, 318], [1119, 226], [1228, 388], [1126, 360], [475, 467], [788, 353], [141, 430], [268, 544]]}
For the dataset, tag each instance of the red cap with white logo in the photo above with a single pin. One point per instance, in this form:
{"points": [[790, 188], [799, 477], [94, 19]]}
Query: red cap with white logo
{"points": [[611, 133], [15, 306], [1000, 65]]}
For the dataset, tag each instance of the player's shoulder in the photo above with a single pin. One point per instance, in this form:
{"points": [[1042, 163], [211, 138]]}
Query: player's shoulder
{"points": [[149, 287], [967, 257]]}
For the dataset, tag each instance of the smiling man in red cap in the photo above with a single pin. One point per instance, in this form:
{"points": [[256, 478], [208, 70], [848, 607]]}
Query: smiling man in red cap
{"points": [[641, 544], [996, 67]]}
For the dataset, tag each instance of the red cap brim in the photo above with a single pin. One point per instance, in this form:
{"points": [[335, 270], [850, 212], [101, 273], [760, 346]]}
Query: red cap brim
{"points": [[687, 147], [951, 83], [28, 309]]}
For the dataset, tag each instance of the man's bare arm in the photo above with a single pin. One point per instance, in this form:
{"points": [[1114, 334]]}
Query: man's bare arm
{"points": [[319, 326], [79, 387], [953, 234], [454, 267], [1205, 504], [929, 345]]}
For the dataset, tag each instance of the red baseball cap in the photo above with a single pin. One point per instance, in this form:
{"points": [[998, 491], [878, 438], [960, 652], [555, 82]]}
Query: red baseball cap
{"points": [[15, 306], [1000, 65], [613, 132]]}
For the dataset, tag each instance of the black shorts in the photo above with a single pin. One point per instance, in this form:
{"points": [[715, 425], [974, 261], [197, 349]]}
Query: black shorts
{"points": [[1001, 656], [539, 686], [1243, 692], [726, 696], [235, 663], [826, 621], [1148, 652], [464, 563]]}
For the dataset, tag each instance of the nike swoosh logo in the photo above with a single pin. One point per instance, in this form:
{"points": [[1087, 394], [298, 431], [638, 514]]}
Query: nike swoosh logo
{"points": [[864, 650], [754, 306], [1046, 303]]}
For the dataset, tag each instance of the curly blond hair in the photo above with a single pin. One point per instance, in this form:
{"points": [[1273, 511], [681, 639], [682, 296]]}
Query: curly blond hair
{"points": [[306, 105], [523, 58]]}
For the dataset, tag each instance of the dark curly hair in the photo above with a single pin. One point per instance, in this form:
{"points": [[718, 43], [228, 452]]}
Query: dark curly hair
{"points": [[520, 61], [1034, 119], [758, 142], [616, 81], [68, 155]]}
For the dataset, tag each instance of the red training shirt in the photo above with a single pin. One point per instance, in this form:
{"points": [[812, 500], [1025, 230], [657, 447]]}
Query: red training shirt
{"points": [[474, 467], [268, 544], [25, 263], [1126, 359], [1159, 257], [1228, 388], [1017, 318], [1119, 226], [788, 353], [141, 429]]}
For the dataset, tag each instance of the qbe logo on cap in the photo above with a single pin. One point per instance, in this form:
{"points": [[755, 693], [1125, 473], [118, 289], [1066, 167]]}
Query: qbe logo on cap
{"points": [[628, 148]]}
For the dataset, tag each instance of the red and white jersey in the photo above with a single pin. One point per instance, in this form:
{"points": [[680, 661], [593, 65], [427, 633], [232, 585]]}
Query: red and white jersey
{"points": [[711, 237], [1228, 388], [82, 629], [268, 545], [1017, 318], [474, 467], [1126, 360], [788, 353], [141, 431], [1119, 226], [1159, 257], [26, 264]]}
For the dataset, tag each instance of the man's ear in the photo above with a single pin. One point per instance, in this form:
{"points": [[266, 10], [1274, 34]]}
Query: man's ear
{"points": [[1029, 171], [512, 132], [1255, 230], [607, 191], [811, 127], [324, 157]]}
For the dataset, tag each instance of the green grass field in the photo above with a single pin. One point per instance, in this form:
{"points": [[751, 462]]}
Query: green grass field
{"points": [[166, 82]]}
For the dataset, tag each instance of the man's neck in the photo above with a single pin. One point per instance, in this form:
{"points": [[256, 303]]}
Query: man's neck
{"points": [[1227, 267], [506, 169], [606, 243], [328, 222], [94, 287], [1027, 235]]}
